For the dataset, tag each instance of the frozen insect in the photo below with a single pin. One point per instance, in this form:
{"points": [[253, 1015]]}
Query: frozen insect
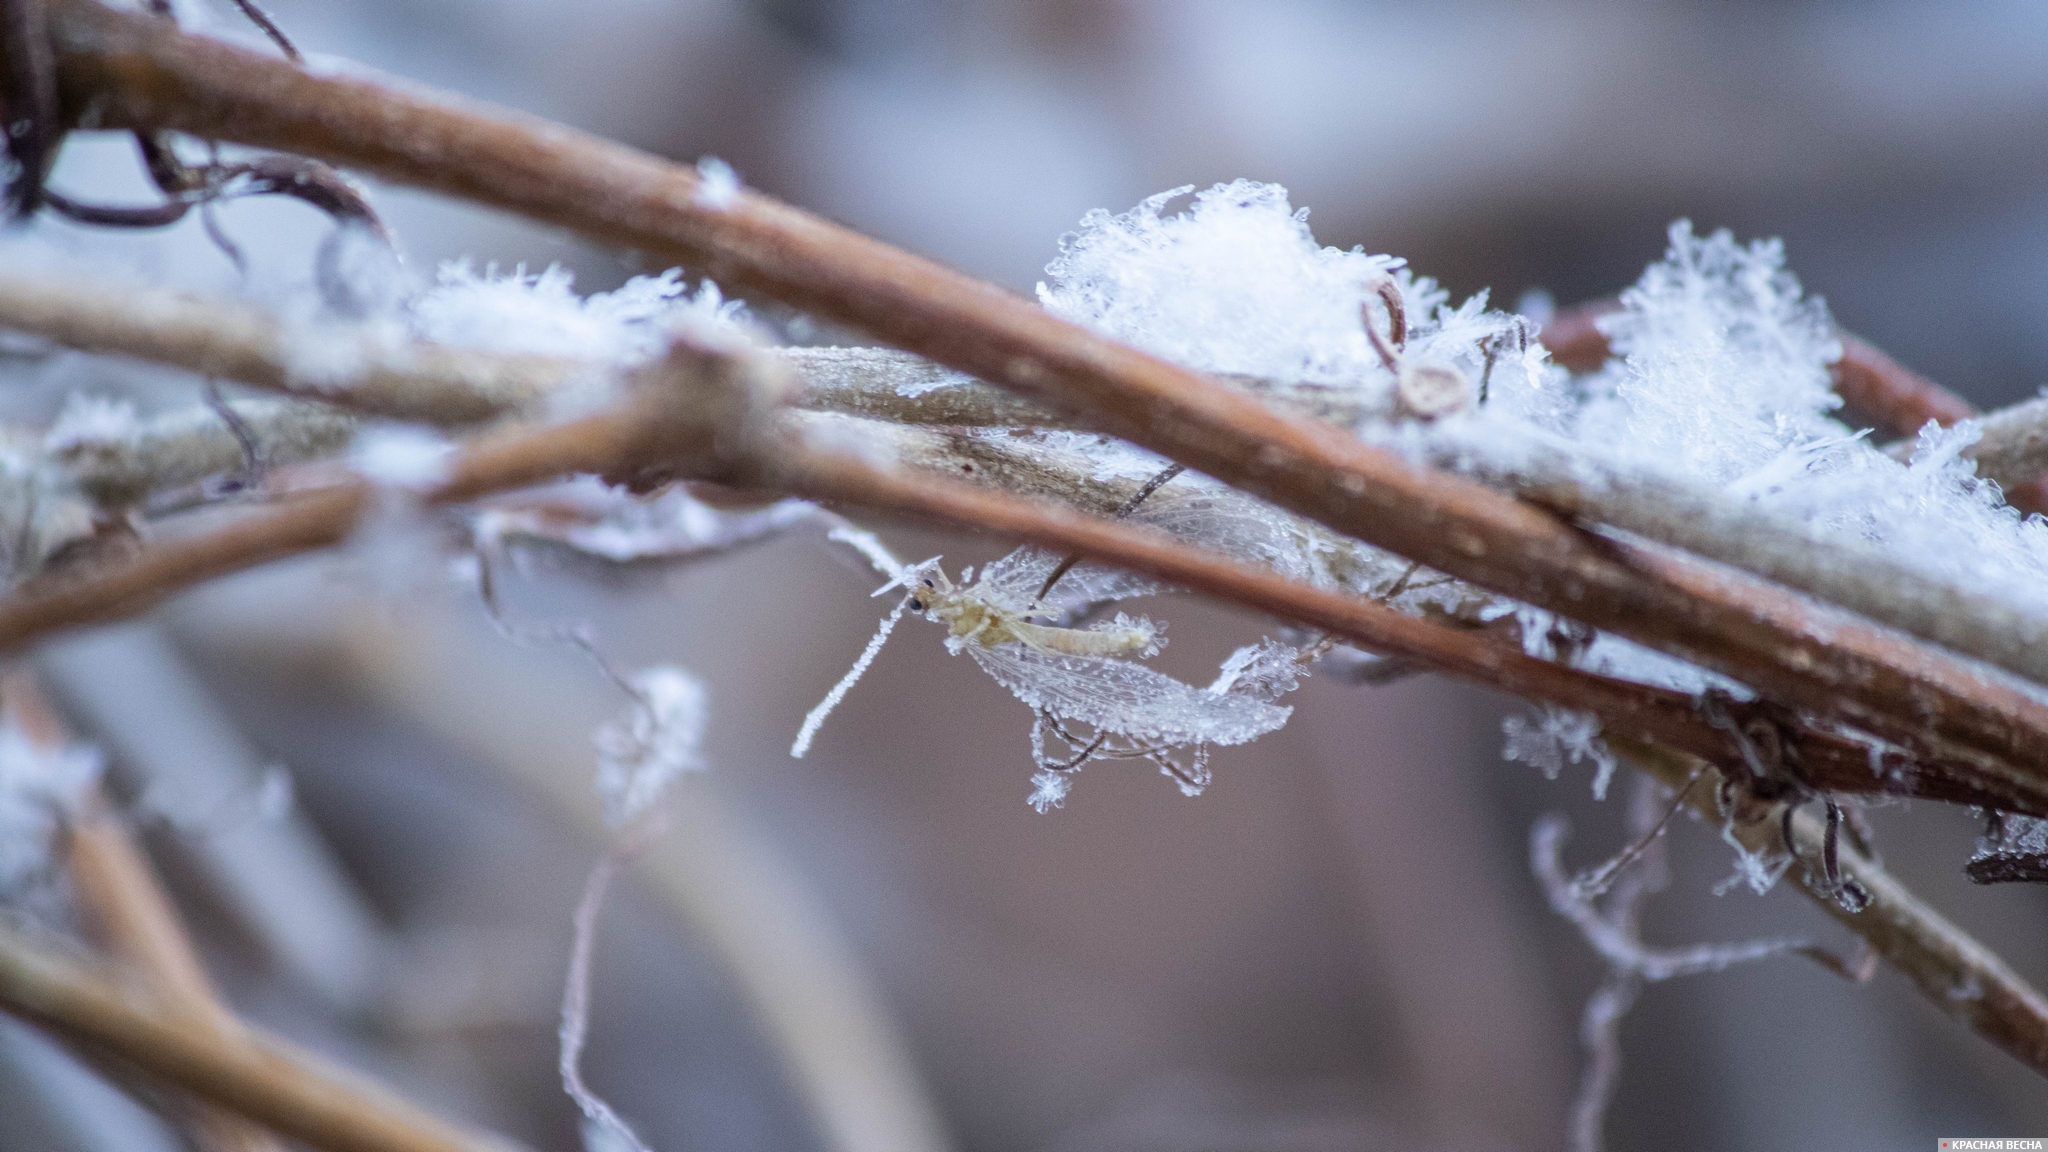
{"points": [[973, 616], [1012, 624]]}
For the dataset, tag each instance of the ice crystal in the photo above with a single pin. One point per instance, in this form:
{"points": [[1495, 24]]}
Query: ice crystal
{"points": [[1049, 790], [39, 786], [1234, 283], [541, 314], [1554, 737], [90, 422], [610, 524], [661, 736], [401, 456], [721, 185]]}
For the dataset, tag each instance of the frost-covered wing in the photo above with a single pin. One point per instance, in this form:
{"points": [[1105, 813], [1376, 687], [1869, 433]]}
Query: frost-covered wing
{"points": [[1127, 699], [1220, 520], [1013, 583]]}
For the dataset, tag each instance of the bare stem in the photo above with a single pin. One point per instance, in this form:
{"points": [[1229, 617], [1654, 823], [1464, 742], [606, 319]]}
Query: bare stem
{"points": [[115, 881], [400, 379], [287, 1091], [1955, 972]]}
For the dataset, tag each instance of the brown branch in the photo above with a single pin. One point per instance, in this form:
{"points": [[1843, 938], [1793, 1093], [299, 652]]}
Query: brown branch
{"points": [[263, 1079], [1955, 972], [115, 882], [1827, 759], [408, 381], [628, 438], [136, 74]]}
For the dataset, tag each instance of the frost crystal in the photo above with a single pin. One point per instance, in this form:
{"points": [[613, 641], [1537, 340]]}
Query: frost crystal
{"points": [[540, 313], [1235, 283], [721, 185], [608, 523], [1049, 790], [38, 787], [660, 737], [93, 422], [1555, 737], [402, 456], [1724, 362]]}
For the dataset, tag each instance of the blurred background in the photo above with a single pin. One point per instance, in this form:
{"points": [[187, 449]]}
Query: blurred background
{"points": [[882, 946]]}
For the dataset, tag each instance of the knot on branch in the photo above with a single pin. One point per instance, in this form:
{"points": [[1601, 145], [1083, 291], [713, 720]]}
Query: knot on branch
{"points": [[702, 412]]}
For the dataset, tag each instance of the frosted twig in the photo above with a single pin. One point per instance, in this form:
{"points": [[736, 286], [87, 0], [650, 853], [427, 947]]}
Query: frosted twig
{"points": [[114, 881], [360, 368], [145, 76], [1614, 932], [371, 370], [1956, 973], [184, 448], [1600, 1035], [900, 388], [816, 717], [576, 1002], [1860, 577], [288, 1091]]}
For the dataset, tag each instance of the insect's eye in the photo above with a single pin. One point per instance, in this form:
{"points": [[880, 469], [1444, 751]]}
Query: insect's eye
{"points": [[927, 583], [916, 605]]}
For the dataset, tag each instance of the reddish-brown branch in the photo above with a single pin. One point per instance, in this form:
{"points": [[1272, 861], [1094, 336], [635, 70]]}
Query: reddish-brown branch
{"points": [[307, 521], [1956, 973], [138, 74], [1825, 758], [287, 1091], [611, 441], [140, 925]]}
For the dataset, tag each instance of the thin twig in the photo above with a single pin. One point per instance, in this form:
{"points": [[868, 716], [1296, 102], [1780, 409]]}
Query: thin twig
{"points": [[263, 1079], [1755, 538], [1955, 972], [360, 369], [115, 882]]}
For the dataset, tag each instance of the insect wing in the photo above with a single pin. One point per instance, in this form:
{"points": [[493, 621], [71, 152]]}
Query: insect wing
{"points": [[1128, 699], [1221, 520], [1013, 582]]}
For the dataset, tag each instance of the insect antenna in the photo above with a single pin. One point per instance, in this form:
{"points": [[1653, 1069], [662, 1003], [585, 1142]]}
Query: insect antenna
{"points": [[1125, 509], [816, 718]]}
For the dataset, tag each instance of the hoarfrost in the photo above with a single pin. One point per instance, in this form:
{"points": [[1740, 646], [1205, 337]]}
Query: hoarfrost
{"points": [[610, 524], [406, 457], [660, 737], [39, 787], [1049, 790], [1234, 283], [720, 188], [89, 422], [1554, 737], [540, 314]]}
